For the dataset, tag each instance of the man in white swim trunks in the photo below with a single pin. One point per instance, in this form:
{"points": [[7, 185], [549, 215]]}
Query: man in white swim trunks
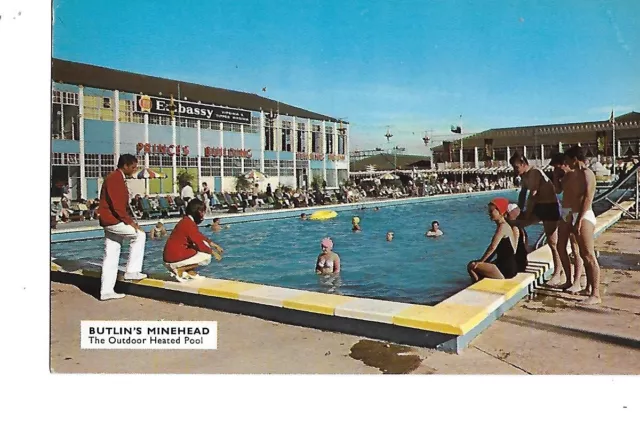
{"points": [[541, 205], [564, 179], [579, 194]]}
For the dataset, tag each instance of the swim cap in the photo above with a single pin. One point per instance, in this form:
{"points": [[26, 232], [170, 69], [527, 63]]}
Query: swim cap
{"points": [[327, 243], [501, 204], [511, 207], [355, 220]]}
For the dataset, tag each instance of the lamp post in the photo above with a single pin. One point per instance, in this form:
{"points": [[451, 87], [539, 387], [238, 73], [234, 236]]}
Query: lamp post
{"points": [[427, 139], [388, 135], [458, 130]]}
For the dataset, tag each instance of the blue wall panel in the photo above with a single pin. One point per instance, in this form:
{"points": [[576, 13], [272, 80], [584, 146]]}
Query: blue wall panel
{"points": [[130, 135], [65, 87], [160, 134], [252, 141], [232, 140], [268, 155], [316, 164], [90, 91], [98, 137], [65, 146], [92, 188], [210, 138], [285, 155]]}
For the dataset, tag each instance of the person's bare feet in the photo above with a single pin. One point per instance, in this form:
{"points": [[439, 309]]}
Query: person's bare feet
{"points": [[574, 289], [555, 281], [592, 300]]}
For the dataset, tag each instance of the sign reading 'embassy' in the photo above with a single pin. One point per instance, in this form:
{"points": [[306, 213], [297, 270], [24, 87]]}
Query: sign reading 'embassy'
{"points": [[191, 110]]}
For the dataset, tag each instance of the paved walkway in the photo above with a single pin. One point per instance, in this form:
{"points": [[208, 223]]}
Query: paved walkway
{"points": [[544, 335]]}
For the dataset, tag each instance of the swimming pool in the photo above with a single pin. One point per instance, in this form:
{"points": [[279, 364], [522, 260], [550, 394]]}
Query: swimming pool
{"points": [[411, 268]]}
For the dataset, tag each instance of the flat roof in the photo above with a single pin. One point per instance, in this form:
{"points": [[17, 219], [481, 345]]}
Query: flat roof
{"points": [[94, 76]]}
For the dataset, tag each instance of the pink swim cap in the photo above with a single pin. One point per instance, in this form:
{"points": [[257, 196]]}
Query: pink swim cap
{"points": [[327, 243]]}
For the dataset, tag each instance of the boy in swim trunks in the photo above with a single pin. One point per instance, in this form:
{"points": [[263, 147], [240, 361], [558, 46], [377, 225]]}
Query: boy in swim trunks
{"points": [[579, 193], [564, 177], [542, 205]]}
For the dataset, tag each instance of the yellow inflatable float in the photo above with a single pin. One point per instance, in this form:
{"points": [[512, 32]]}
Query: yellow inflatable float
{"points": [[323, 215]]}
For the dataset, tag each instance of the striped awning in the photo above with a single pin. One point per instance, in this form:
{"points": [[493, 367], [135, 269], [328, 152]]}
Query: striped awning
{"points": [[147, 173]]}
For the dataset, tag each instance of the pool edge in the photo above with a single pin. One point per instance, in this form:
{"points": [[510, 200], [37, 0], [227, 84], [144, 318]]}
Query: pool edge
{"points": [[449, 326]]}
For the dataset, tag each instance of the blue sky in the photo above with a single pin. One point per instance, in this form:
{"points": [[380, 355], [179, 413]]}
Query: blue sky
{"points": [[413, 65]]}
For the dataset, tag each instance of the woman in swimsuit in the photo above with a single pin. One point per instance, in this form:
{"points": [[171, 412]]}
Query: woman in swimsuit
{"points": [[504, 244], [328, 261], [355, 221]]}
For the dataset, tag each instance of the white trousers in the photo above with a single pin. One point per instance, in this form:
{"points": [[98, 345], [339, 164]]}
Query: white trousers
{"points": [[200, 258], [114, 236]]}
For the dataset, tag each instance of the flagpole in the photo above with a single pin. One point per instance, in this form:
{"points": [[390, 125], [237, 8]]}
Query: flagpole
{"points": [[461, 152], [613, 145]]}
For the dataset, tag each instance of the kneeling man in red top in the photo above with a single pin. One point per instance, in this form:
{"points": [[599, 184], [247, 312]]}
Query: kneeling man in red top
{"points": [[119, 226], [187, 248]]}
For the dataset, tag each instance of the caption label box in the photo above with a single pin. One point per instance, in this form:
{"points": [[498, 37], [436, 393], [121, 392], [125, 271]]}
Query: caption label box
{"points": [[148, 335]]}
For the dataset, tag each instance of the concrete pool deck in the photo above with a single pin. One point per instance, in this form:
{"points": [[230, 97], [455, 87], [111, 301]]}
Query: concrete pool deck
{"points": [[541, 335], [449, 325]]}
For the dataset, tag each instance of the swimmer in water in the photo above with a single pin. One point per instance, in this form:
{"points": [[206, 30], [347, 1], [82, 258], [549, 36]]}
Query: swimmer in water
{"points": [[158, 232], [356, 224], [328, 262], [389, 236], [303, 217], [434, 231], [215, 225], [376, 209]]}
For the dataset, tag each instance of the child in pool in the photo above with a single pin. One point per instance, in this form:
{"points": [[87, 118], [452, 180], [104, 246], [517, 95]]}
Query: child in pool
{"points": [[355, 221]]}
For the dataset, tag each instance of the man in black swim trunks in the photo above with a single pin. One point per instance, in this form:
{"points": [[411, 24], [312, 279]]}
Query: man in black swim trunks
{"points": [[542, 205]]}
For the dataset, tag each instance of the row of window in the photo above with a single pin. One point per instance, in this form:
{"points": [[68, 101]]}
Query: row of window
{"points": [[101, 108], [100, 165], [301, 141]]}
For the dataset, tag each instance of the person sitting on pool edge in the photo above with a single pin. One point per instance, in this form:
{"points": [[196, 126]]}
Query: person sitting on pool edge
{"points": [[187, 248], [158, 232], [389, 236], [513, 211], [356, 224], [434, 231], [504, 244], [328, 262]]}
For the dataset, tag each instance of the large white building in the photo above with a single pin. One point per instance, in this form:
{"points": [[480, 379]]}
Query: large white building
{"points": [[216, 134]]}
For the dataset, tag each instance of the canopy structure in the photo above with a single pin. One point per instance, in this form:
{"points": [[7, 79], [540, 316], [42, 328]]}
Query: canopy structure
{"points": [[255, 176]]}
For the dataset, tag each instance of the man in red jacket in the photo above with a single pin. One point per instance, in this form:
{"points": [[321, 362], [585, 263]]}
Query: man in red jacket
{"points": [[187, 248], [118, 226]]}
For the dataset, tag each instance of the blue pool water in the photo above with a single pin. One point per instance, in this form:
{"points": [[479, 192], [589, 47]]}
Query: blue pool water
{"points": [[411, 268]]}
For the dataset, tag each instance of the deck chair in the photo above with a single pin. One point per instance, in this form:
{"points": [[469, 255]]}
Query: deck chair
{"points": [[148, 211], [222, 201], [230, 201], [166, 208]]}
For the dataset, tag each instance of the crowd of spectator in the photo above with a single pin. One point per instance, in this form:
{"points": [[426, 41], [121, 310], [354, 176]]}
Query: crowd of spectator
{"points": [[352, 191]]}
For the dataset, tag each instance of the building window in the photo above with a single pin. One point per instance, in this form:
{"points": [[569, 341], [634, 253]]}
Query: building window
{"points": [[269, 138], [286, 167], [286, 139], [341, 144], [254, 127], [164, 120], [271, 167], [125, 110], [231, 127], [251, 164], [316, 142], [301, 141], [329, 137]]}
